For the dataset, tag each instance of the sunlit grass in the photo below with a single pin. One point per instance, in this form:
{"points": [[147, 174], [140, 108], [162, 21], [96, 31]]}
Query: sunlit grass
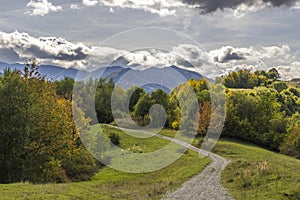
{"points": [[256, 173], [112, 184]]}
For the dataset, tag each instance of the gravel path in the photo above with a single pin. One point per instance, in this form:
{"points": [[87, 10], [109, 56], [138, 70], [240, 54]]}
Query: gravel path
{"points": [[204, 186]]}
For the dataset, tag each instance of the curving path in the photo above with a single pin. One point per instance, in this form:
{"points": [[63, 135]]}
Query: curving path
{"points": [[204, 186]]}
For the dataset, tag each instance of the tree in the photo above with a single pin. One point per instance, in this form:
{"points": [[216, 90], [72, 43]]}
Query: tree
{"points": [[13, 127], [134, 94], [103, 100], [173, 112], [65, 87], [279, 86], [241, 79], [205, 117], [273, 74], [160, 97], [255, 116], [142, 107], [291, 146], [37, 127]]}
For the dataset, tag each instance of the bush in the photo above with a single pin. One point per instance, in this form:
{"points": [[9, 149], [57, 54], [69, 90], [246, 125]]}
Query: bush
{"points": [[81, 165], [114, 138], [175, 125], [54, 173], [292, 144]]}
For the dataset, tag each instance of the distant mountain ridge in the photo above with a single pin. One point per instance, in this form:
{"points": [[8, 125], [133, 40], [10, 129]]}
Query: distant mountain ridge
{"points": [[150, 79], [51, 72]]}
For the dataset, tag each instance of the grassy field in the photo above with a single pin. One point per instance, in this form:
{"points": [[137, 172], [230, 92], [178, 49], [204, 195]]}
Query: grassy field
{"points": [[255, 173], [113, 184]]}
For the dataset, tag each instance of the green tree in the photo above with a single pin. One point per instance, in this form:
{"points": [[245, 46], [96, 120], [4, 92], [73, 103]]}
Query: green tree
{"points": [[103, 100], [273, 74], [142, 107], [134, 94], [37, 128], [65, 87]]}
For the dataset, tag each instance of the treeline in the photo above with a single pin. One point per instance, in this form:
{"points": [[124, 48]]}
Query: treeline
{"points": [[138, 102], [39, 141], [267, 115], [247, 80], [260, 108]]}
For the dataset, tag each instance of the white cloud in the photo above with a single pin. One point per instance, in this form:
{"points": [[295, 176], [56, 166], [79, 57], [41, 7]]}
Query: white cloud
{"points": [[52, 50], [169, 7], [297, 6], [42, 7], [74, 6], [253, 58], [289, 72], [160, 7], [89, 2], [244, 9], [278, 54], [46, 49]]}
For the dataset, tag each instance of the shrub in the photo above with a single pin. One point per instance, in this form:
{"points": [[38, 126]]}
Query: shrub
{"points": [[175, 125], [53, 172], [81, 165], [292, 145], [114, 138]]}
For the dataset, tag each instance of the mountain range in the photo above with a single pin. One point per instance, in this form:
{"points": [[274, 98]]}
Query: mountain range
{"points": [[150, 79]]}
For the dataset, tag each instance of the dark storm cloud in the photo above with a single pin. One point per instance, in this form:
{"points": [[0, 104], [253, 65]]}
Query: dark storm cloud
{"points": [[227, 54], [209, 6], [77, 54], [229, 57]]}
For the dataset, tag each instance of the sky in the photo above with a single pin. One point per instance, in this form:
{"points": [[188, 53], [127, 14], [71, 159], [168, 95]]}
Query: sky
{"points": [[212, 37]]}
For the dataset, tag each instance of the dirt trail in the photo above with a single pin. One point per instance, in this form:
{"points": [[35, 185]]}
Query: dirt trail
{"points": [[205, 185]]}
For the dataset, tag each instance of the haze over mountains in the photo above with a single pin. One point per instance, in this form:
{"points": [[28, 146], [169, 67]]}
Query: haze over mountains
{"points": [[150, 78]]}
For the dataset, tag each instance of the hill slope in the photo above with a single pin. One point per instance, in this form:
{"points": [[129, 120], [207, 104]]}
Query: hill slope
{"points": [[256, 173]]}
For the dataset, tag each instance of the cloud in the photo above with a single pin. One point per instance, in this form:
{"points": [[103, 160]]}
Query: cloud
{"points": [[169, 7], [74, 6], [52, 50], [244, 9], [43, 48], [289, 72], [279, 54], [296, 6], [209, 6], [160, 7], [226, 54], [41, 7], [261, 58], [210, 63], [89, 2]]}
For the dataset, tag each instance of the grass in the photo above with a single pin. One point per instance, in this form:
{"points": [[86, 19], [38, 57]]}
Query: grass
{"points": [[144, 141], [256, 173], [112, 184]]}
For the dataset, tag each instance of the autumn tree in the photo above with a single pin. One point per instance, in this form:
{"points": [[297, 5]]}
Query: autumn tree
{"points": [[38, 130]]}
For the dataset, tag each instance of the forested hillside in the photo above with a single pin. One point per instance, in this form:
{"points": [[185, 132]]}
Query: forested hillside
{"points": [[40, 142], [260, 108]]}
